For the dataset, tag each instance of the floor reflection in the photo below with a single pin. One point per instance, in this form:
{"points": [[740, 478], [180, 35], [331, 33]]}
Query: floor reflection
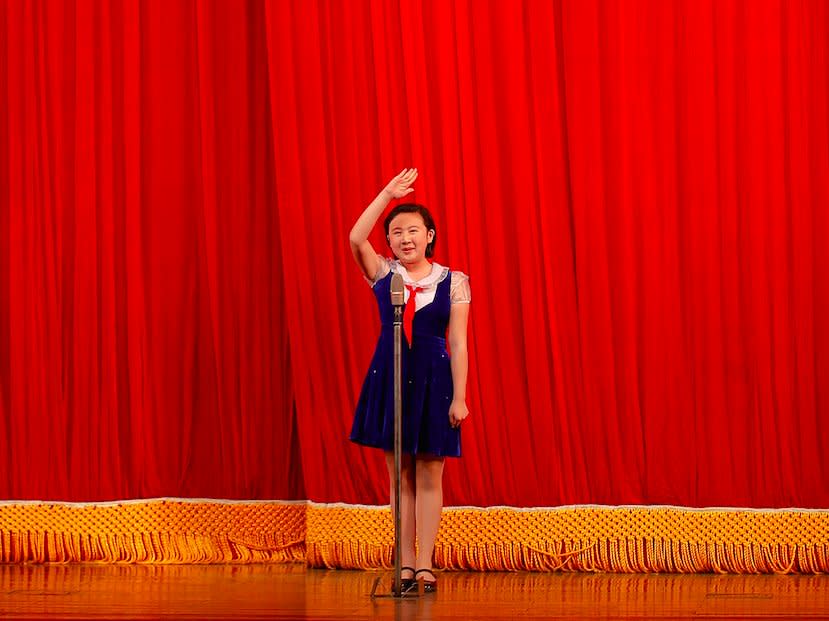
{"points": [[290, 591]]}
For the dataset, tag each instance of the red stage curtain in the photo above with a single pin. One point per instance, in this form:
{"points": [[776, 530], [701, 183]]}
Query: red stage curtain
{"points": [[639, 191]]}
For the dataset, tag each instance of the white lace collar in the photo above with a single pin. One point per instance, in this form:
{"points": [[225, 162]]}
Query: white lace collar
{"points": [[437, 274]]}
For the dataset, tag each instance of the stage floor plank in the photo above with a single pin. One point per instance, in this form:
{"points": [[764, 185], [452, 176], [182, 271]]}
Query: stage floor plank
{"points": [[294, 592]]}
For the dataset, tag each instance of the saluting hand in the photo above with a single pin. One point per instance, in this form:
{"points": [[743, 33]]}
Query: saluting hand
{"points": [[400, 186]]}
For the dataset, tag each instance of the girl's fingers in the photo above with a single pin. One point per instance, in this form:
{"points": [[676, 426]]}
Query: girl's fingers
{"points": [[407, 176]]}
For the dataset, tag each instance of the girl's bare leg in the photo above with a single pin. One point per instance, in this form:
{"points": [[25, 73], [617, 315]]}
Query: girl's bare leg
{"points": [[429, 501], [407, 508]]}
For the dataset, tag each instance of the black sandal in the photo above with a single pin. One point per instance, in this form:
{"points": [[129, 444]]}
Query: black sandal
{"points": [[406, 584], [426, 586]]}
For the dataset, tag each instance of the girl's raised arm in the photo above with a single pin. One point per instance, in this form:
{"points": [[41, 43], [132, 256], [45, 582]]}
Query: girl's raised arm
{"points": [[361, 248]]}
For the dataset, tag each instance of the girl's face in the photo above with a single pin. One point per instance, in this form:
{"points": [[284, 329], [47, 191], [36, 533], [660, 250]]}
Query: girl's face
{"points": [[408, 237]]}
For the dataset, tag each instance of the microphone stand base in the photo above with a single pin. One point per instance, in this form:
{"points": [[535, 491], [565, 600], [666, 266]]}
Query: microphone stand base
{"points": [[411, 594]]}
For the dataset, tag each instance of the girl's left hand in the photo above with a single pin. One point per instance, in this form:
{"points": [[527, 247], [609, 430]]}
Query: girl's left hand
{"points": [[457, 412]]}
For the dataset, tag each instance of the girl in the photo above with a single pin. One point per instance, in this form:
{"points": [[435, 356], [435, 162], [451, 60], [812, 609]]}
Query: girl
{"points": [[434, 387]]}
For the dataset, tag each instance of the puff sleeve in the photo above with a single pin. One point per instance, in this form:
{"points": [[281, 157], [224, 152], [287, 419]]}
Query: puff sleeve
{"points": [[459, 291]]}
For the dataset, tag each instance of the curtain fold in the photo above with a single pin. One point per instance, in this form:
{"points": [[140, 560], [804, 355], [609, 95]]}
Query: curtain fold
{"points": [[638, 190]]}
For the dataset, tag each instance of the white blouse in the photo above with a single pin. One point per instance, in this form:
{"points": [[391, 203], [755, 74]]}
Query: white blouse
{"points": [[459, 291]]}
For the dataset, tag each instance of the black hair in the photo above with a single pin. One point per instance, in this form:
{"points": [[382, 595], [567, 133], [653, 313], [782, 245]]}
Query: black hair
{"points": [[428, 220]]}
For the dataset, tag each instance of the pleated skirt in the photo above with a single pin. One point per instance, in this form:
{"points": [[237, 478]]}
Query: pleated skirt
{"points": [[427, 395]]}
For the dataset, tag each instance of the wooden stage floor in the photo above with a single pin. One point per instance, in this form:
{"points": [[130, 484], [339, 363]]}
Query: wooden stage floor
{"points": [[294, 592]]}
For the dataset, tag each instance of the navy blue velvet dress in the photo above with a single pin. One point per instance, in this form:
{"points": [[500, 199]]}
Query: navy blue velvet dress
{"points": [[427, 381]]}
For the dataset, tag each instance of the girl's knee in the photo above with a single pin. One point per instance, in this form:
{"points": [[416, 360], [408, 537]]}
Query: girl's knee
{"points": [[429, 472], [407, 471]]}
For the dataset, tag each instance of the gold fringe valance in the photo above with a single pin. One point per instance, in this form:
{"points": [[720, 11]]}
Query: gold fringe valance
{"points": [[153, 531], [614, 539], [581, 538]]}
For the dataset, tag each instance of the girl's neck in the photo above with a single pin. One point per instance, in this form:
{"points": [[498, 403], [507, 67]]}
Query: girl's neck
{"points": [[418, 270]]}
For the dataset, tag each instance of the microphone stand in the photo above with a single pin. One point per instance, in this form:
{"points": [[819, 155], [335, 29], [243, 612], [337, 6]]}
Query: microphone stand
{"points": [[397, 301]]}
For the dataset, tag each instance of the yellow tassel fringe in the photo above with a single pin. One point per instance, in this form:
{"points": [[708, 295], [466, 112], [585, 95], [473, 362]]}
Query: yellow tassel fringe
{"points": [[156, 531], [616, 539]]}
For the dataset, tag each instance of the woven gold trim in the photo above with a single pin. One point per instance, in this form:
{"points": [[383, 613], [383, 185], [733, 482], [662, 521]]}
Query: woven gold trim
{"points": [[153, 532], [617, 539], [629, 539]]}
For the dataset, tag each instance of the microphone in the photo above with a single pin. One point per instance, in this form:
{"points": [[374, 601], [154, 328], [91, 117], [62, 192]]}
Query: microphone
{"points": [[397, 290]]}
